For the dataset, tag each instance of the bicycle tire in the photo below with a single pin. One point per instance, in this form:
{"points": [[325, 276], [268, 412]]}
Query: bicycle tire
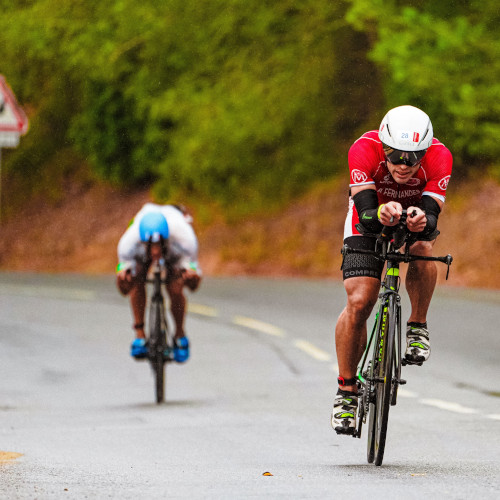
{"points": [[383, 387], [372, 408], [160, 379], [156, 348]]}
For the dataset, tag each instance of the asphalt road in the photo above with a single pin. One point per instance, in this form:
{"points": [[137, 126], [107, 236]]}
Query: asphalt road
{"points": [[78, 418]]}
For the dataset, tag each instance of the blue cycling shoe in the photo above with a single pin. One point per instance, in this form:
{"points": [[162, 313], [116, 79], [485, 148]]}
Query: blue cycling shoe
{"points": [[181, 349], [139, 349]]}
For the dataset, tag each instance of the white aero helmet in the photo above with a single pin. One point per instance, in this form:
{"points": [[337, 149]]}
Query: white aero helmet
{"points": [[406, 128]]}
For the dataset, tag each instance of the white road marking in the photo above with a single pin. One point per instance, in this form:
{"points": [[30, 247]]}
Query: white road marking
{"points": [[202, 310], [448, 405], [405, 393], [260, 326], [312, 350], [494, 416]]}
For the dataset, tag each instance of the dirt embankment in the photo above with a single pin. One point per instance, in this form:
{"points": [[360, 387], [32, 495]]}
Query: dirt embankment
{"points": [[80, 234]]}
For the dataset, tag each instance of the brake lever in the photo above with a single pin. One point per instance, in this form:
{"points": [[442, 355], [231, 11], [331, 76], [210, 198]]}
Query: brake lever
{"points": [[344, 250], [449, 260]]}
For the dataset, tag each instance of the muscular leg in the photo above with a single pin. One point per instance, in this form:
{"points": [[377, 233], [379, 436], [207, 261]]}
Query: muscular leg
{"points": [[177, 304], [350, 332], [421, 281], [136, 289], [138, 304]]}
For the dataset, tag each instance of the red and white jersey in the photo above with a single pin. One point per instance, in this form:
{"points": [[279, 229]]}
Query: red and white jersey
{"points": [[367, 166]]}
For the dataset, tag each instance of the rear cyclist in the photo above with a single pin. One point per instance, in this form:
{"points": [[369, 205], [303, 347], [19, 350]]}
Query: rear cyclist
{"points": [[400, 166], [159, 231]]}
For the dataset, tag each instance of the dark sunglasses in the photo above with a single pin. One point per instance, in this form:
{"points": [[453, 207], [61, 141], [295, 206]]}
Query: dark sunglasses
{"points": [[408, 158]]}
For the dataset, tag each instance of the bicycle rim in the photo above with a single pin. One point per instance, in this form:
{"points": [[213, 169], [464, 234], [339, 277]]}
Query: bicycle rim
{"points": [[383, 387]]}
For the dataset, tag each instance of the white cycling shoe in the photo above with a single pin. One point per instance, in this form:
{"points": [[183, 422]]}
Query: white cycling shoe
{"points": [[418, 348], [345, 407]]}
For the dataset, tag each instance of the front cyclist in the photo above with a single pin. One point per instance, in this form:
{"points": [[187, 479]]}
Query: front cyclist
{"points": [[159, 231], [400, 166]]}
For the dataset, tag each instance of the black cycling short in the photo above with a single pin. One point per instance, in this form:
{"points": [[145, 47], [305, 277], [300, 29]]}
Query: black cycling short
{"points": [[359, 264]]}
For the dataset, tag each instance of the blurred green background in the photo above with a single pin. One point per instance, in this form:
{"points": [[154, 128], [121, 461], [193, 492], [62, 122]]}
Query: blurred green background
{"points": [[243, 104]]}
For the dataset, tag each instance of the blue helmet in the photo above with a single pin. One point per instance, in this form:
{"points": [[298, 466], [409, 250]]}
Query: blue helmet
{"points": [[153, 227]]}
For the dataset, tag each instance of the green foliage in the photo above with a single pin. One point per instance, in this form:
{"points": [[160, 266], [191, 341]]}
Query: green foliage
{"points": [[229, 100], [238, 102]]}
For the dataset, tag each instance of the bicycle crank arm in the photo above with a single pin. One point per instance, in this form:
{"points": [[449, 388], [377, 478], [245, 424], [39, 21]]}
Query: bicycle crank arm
{"points": [[381, 380]]}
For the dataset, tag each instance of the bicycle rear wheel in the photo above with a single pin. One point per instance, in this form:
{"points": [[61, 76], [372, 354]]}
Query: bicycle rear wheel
{"points": [[384, 384], [160, 379], [396, 359]]}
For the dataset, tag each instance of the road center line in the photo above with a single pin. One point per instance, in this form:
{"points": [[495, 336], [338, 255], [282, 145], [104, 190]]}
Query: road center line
{"points": [[8, 456], [312, 350], [48, 292], [202, 310], [321, 355], [260, 326]]}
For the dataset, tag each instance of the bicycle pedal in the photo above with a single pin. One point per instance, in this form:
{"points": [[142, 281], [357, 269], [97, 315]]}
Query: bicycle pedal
{"points": [[345, 432], [405, 362], [401, 381]]}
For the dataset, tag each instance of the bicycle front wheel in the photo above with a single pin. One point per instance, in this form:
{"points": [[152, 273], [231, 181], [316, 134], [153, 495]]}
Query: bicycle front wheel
{"points": [[383, 385], [156, 348], [159, 369], [372, 409]]}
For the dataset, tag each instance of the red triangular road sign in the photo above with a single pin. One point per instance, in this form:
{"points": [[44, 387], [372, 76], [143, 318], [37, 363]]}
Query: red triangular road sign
{"points": [[12, 116]]}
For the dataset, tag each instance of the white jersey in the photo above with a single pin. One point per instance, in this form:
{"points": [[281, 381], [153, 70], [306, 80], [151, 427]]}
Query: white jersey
{"points": [[182, 241]]}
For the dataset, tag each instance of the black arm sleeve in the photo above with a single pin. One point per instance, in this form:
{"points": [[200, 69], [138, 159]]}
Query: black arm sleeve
{"points": [[366, 203], [432, 210]]}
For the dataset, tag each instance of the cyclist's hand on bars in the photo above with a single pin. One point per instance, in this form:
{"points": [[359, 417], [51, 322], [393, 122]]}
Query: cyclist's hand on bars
{"points": [[191, 279], [416, 223], [390, 213], [125, 275]]}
